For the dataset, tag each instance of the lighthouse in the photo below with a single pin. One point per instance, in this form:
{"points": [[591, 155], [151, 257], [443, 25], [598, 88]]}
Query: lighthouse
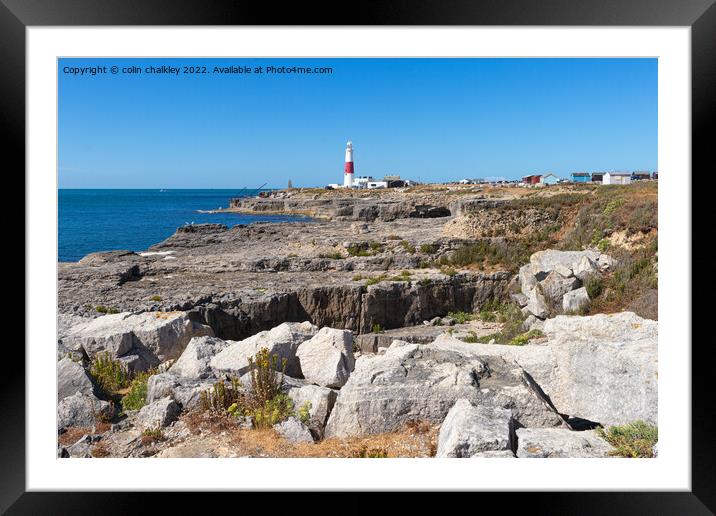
{"points": [[348, 169]]}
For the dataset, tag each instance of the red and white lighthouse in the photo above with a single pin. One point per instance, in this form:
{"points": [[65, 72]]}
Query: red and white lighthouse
{"points": [[348, 169]]}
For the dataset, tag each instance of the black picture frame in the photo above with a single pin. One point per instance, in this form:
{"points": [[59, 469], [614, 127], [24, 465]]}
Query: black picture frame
{"points": [[700, 15]]}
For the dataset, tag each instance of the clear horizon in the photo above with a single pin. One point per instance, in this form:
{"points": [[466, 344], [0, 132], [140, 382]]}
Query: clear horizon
{"points": [[431, 120]]}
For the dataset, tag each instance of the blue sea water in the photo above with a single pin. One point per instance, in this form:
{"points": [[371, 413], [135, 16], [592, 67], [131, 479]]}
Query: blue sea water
{"points": [[106, 220]]}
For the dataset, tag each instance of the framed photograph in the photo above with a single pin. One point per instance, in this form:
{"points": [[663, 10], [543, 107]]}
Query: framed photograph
{"points": [[359, 253]]}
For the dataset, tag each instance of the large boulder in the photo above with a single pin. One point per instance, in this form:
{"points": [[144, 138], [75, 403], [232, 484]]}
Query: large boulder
{"points": [[72, 378], [327, 358], [283, 341], [537, 304], [185, 391], [555, 285], [319, 400], [157, 414], [468, 430], [560, 443], [294, 431], [575, 301], [606, 367], [155, 337], [601, 368], [82, 410], [420, 382], [194, 361], [527, 279], [544, 262]]}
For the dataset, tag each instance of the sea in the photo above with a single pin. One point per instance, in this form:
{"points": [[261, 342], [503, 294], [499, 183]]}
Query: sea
{"points": [[107, 220]]}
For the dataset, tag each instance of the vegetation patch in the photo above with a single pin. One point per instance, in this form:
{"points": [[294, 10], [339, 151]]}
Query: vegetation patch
{"points": [[106, 310], [409, 248], [461, 317], [136, 398], [110, 374], [632, 440]]}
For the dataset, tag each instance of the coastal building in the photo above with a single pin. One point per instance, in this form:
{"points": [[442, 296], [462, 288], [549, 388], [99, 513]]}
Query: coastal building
{"points": [[348, 167], [616, 178], [549, 179], [640, 176], [597, 177], [362, 181], [580, 177], [531, 180], [655, 175], [377, 184]]}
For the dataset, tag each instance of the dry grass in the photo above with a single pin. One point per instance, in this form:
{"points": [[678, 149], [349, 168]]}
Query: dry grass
{"points": [[73, 434], [416, 439], [100, 450]]}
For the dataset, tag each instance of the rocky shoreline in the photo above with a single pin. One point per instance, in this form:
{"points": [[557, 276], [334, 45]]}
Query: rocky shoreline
{"points": [[382, 350]]}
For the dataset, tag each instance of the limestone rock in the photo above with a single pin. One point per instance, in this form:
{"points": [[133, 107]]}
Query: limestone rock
{"points": [[283, 341], [544, 262], [563, 270], [194, 361], [321, 400], [185, 391], [293, 430], [157, 414], [497, 454], [164, 335], [72, 378], [422, 382], [519, 299], [327, 359], [606, 367], [537, 304], [82, 410], [468, 430], [527, 280], [554, 286], [81, 449], [584, 268], [559, 442], [576, 300]]}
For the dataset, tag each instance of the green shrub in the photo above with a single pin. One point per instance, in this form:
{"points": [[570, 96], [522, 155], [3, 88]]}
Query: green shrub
{"points": [[428, 248], [136, 398], [471, 338], [377, 328], [105, 310], [448, 271], [155, 298], [110, 374], [336, 255], [594, 285], [461, 317], [409, 248], [357, 277], [524, 338], [370, 249], [304, 412], [277, 409], [632, 440], [266, 380], [155, 434], [374, 280], [219, 398]]}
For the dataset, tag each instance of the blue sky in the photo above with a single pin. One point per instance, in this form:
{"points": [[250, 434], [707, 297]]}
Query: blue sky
{"points": [[424, 119]]}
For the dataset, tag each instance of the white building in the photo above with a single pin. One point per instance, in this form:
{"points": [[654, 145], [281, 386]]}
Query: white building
{"points": [[362, 181], [616, 178], [377, 184]]}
